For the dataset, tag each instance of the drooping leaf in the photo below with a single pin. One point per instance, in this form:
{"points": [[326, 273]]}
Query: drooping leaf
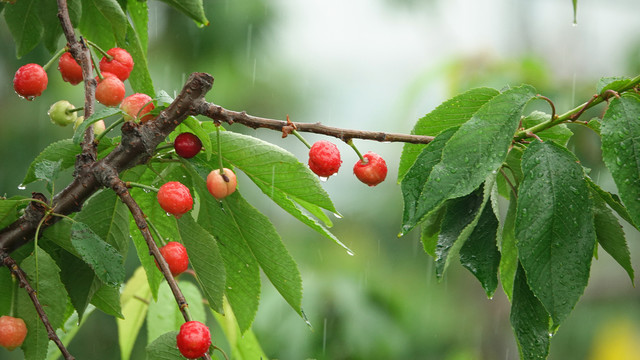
{"points": [[413, 182], [52, 297], [480, 254], [451, 113], [431, 230], [47, 11], [78, 279], [108, 217], [164, 315], [139, 13], [101, 20], [205, 259], [134, 300], [244, 346], [529, 320], [621, 148], [24, 24], [164, 347], [611, 236], [559, 133], [554, 227], [477, 149], [107, 299], [104, 259], [611, 199], [508, 250], [192, 8]]}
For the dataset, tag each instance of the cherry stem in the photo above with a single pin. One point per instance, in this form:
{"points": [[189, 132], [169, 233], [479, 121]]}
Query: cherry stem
{"points": [[109, 128], [353, 146], [102, 52], [220, 152], [54, 58], [131, 184], [222, 351], [75, 110], [156, 231], [297, 134], [553, 107], [96, 67]]}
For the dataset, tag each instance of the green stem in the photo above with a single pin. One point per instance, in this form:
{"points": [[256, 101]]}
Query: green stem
{"points": [[155, 230], [297, 134], [102, 52], [574, 113], [54, 58], [131, 184], [75, 110], [353, 146], [95, 62], [220, 164], [109, 128], [222, 351]]}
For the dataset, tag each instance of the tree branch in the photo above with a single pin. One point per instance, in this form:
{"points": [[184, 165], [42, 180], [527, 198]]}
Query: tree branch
{"points": [[218, 113], [24, 282]]}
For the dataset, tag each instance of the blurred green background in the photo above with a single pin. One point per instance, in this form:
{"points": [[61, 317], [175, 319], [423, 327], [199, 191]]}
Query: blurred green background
{"points": [[372, 65]]}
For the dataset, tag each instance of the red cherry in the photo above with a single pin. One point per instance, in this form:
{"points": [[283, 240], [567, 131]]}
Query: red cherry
{"points": [[12, 332], [121, 64], [133, 105], [187, 145], [324, 158], [194, 339], [175, 198], [220, 187], [175, 254], [70, 70], [373, 171], [30, 81], [110, 90]]}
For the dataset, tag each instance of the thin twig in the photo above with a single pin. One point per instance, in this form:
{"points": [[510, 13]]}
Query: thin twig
{"points": [[24, 282], [218, 113]]}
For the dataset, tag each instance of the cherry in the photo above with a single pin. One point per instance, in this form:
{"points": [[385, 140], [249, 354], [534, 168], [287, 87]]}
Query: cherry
{"points": [[220, 187], [324, 158], [61, 113], [110, 90], [30, 81], [194, 339], [187, 145], [175, 198], [133, 105], [70, 70], [12, 332], [373, 171], [175, 254], [121, 64]]}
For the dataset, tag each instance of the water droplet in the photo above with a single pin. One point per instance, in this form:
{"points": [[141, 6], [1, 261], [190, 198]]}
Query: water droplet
{"points": [[437, 179], [323, 178], [466, 159], [350, 253], [21, 187], [229, 288], [338, 215], [618, 160]]}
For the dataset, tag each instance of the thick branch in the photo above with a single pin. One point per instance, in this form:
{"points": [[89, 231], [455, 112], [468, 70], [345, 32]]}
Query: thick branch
{"points": [[218, 113], [24, 282]]}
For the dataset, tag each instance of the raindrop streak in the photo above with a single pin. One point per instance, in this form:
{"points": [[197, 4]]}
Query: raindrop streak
{"points": [[21, 187]]}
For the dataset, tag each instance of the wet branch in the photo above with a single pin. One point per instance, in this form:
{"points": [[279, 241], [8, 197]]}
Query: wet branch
{"points": [[24, 283], [218, 113]]}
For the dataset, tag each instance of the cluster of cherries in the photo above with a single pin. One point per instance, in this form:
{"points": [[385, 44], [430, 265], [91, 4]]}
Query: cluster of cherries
{"points": [[324, 161]]}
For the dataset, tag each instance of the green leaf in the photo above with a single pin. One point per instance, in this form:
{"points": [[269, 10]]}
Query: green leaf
{"points": [[67, 332], [559, 133], [529, 320], [164, 347], [107, 299], [134, 309], [139, 14], [269, 165], [595, 125], [268, 249], [140, 79], [9, 211], [192, 8], [103, 258], [47, 170], [412, 184], [611, 199], [554, 231], [164, 315], [47, 11], [611, 83], [78, 278], [244, 346], [197, 129], [24, 24], [101, 20], [52, 297], [513, 173], [611, 236], [205, 259], [431, 230], [621, 149], [575, 11], [6, 296], [108, 217], [508, 250], [477, 149], [480, 254], [104, 113], [451, 113], [243, 272]]}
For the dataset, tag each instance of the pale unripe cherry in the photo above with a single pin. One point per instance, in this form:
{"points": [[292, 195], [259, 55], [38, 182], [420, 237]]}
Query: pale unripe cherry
{"points": [[220, 187]]}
